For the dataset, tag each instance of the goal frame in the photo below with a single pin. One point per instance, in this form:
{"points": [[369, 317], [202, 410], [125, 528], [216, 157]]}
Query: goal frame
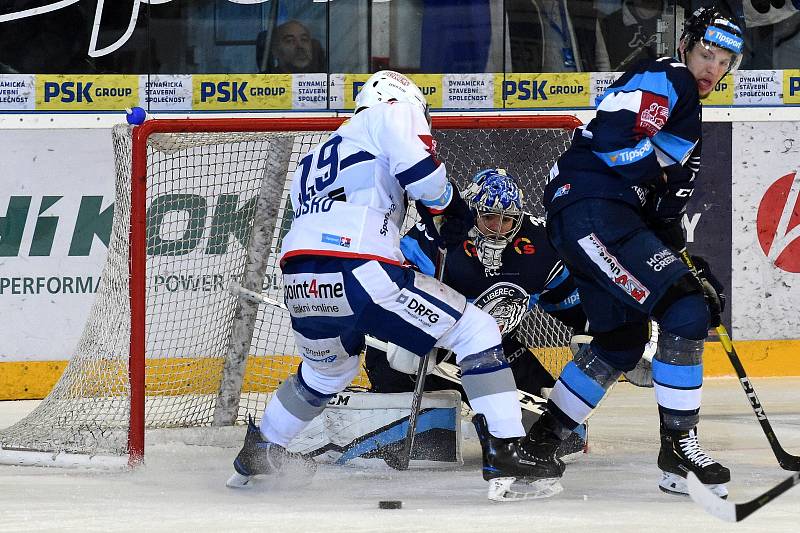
{"points": [[138, 216]]}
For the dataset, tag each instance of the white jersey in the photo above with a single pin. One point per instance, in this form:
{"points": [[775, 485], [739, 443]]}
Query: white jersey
{"points": [[348, 193]]}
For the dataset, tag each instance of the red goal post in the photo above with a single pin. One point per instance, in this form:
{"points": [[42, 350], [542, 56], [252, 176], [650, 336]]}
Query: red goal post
{"points": [[200, 202]]}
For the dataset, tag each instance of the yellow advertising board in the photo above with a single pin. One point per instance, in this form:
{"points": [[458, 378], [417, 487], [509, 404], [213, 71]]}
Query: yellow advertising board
{"points": [[78, 92], [791, 86], [237, 92], [722, 93], [566, 89]]}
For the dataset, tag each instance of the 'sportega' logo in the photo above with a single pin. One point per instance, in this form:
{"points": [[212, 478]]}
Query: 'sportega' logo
{"points": [[778, 223]]}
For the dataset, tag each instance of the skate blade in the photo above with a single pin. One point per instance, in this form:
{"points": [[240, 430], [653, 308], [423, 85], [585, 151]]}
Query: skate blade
{"points": [[510, 489], [675, 484], [238, 481]]}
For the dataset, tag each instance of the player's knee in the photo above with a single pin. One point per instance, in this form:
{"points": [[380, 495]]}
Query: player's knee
{"points": [[484, 361], [474, 332], [622, 347], [676, 350], [682, 311], [329, 378]]}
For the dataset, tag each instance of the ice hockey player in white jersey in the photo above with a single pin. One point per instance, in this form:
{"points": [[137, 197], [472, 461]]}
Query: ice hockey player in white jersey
{"points": [[343, 279]]}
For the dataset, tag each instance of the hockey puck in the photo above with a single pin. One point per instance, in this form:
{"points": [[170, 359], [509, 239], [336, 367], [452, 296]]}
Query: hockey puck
{"points": [[390, 504]]}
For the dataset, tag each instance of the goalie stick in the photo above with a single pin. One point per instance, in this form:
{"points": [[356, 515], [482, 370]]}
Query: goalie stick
{"points": [[786, 460], [730, 511]]}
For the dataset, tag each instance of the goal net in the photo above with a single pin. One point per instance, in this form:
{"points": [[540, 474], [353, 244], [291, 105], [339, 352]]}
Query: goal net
{"points": [[200, 203]]}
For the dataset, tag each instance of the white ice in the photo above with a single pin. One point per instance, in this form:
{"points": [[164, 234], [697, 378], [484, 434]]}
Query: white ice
{"points": [[613, 488]]}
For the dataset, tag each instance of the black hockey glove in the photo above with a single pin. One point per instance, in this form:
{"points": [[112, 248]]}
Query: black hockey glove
{"points": [[713, 290], [457, 220], [670, 232]]}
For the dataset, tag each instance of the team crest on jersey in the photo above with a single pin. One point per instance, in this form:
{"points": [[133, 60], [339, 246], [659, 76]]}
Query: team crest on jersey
{"points": [[506, 302], [523, 246], [653, 114]]}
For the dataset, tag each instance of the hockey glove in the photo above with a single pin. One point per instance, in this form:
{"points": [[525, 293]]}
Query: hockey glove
{"points": [[458, 219], [670, 232], [713, 290], [405, 361]]}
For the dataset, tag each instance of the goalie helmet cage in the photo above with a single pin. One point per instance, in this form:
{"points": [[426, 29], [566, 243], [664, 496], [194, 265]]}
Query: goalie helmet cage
{"points": [[200, 203]]}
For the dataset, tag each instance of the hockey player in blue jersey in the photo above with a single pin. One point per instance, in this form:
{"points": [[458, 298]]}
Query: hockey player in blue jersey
{"points": [[506, 267], [614, 206], [343, 279]]}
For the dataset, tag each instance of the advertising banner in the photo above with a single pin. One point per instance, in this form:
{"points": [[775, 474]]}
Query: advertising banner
{"points": [[542, 90], [56, 209], [766, 243], [239, 92], [707, 221], [17, 92], [74, 92]]}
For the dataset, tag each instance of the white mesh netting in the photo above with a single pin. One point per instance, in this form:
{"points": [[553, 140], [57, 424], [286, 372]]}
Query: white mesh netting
{"points": [[216, 211]]}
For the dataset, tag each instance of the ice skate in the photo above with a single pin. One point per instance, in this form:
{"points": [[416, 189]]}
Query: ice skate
{"points": [[573, 447], [680, 454], [261, 457], [511, 474]]}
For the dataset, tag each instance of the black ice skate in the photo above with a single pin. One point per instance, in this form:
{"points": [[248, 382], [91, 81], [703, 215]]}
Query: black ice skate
{"points": [[573, 447], [259, 457], [512, 475], [680, 454]]}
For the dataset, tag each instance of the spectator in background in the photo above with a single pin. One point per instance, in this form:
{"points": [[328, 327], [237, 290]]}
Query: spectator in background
{"points": [[291, 50], [629, 35]]}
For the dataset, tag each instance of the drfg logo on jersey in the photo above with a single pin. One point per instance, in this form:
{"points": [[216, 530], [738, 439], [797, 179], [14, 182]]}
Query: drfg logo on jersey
{"points": [[778, 223], [422, 311], [609, 264], [316, 295]]}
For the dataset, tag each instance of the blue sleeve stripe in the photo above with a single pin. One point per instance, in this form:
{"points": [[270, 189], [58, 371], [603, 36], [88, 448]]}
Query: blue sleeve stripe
{"points": [[417, 172], [413, 252], [627, 156], [654, 82], [582, 385], [358, 157], [570, 301], [682, 377], [672, 145]]}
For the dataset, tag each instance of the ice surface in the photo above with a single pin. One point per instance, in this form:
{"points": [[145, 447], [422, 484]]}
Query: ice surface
{"points": [[613, 488]]}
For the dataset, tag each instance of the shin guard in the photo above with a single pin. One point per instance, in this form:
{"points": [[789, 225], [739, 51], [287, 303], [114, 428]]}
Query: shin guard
{"points": [[579, 389], [678, 380]]}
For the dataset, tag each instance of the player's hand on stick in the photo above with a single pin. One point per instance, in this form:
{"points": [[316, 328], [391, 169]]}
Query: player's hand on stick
{"points": [[713, 290], [670, 232]]}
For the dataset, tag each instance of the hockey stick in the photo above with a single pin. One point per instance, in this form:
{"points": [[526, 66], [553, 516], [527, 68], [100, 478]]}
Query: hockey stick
{"points": [[419, 385], [730, 511], [786, 460]]}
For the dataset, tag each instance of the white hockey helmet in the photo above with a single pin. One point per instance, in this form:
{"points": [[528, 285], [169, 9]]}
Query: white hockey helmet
{"points": [[388, 85]]}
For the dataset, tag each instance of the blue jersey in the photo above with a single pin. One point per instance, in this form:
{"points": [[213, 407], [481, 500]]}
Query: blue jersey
{"points": [[531, 274], [644, 140]]}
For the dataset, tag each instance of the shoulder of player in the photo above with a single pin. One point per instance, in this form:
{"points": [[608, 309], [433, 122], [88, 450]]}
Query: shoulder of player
{"points": [[677, 72]]}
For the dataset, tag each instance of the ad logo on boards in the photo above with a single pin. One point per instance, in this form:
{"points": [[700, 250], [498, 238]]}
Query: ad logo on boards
{"points": [[778, 223]]}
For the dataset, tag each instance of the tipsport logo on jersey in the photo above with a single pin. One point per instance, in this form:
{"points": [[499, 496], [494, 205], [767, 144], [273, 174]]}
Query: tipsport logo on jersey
{"points": [[543, 90], [84, 93], [225, 92]]}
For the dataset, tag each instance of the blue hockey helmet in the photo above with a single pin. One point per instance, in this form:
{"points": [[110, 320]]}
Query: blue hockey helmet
{"points": [[498, 203], [708, 26]]}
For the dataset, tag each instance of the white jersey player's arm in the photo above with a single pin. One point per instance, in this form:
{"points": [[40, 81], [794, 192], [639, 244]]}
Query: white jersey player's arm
{"points": [[405, 139]]}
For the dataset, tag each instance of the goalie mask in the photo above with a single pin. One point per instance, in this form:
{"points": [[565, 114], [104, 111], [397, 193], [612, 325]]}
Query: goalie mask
{"points": [[497, 202], [709, 27], [388, 85]]}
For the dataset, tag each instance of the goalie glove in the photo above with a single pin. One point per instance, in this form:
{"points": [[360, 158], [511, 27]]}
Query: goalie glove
{"points": [[457, 220], [405, 361]]}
